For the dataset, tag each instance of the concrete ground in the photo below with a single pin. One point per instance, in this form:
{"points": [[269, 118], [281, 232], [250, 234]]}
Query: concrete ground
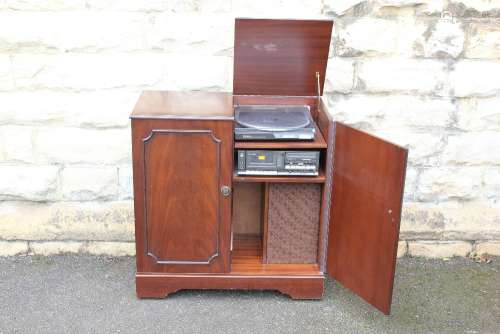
{"points": [[85, 294]]}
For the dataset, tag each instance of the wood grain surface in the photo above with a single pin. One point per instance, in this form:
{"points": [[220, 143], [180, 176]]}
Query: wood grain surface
{"points": [[184, 105], [317, 143], [320, 178], [182, 220], [368, 184], [280, 57], [299, 281]]}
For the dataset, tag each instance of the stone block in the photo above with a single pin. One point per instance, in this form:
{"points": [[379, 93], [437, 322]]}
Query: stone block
{"points": [[45, 5], [280, 8], [339, 75], [402, 248], [110, 248], [34, 183], [475, 78], [182, 6], [12, 248], [75, 145], [445, 183], [341, 7], [129, 5], [443, 249], [411, 179], [424, 146], [80, 71], [400, 3], [392, 112], [16, 144], [483, 41], [487, 247], [192, 34], [473, 148], [19, 108], [6, 79], [86, 183], [368, 36], [475, 8], [183, 73], [479, 114], [374, 36], [431, 7], [125, 182], [443, 39], [408, 8], [77, 221], [118, 31], [400, 75], [102, 109], [491, 182], [451, 220], [215, 6], [47, 248]]}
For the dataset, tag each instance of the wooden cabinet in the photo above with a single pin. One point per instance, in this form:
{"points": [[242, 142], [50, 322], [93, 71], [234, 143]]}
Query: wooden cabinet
{"points": [[199, 226]]}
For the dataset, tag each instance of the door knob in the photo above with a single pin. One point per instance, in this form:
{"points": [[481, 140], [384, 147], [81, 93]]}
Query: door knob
{"points": [[225, 190]]}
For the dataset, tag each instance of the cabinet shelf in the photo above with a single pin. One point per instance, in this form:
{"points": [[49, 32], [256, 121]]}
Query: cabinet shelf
{"points": [[318, 142], [321, 178], [247, 260]]}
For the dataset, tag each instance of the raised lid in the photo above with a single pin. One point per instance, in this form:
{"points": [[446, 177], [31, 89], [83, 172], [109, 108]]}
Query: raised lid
{"points": [[280, 57]]}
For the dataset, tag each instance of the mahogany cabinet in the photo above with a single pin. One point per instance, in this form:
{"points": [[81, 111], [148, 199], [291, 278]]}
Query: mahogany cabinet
{"points": [[200, 226]]}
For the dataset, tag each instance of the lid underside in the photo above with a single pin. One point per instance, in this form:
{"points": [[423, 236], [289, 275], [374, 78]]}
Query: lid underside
{"points": [[280, 57]]}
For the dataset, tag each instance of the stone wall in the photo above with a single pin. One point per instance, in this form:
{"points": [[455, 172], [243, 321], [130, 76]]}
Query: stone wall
{"points": [[420, 73]]}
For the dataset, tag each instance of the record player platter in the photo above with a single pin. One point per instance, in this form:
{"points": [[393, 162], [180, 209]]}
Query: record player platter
{"points": [[273, 122]]}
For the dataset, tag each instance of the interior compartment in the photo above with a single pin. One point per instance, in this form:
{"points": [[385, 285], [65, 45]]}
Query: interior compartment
{"points": [[251, 206], [293, 243], [248, 215]]}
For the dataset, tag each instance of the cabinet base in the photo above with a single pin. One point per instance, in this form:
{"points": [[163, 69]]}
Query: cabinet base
{"points": [[161, 285]]}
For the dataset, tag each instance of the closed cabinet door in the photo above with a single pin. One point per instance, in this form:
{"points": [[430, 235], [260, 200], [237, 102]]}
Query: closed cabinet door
{"points": [[182, 182]]}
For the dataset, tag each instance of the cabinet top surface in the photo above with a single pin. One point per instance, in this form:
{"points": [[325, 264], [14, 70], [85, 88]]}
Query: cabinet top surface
{"points": [[184, 105]]}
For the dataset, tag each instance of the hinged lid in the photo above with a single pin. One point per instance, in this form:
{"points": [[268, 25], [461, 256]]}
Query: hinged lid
{"points": [[280, 57]]}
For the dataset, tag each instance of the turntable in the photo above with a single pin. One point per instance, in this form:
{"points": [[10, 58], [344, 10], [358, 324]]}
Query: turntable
{"points": [[273, 122]]}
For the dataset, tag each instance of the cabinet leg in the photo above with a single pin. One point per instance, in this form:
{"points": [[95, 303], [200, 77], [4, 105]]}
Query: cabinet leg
{"points": [[302, 293], [155, 292]]}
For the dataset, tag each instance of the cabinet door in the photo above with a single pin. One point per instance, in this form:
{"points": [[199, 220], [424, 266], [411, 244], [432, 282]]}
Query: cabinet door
{"points": [[182, 218], [368, 182]]}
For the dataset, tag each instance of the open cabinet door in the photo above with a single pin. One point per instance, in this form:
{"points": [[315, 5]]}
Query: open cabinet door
{"points": [[368, 182]]}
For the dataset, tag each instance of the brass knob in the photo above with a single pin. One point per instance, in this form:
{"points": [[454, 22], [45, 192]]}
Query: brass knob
{"points": [[225, 190]]}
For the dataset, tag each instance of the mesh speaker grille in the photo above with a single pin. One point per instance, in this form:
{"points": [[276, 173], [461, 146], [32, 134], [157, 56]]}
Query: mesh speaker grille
{"points": [[293, 223]]}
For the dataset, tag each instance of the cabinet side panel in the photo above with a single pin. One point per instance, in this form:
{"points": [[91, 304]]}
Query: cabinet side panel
{"points": [[325, 124], [138, 184]]}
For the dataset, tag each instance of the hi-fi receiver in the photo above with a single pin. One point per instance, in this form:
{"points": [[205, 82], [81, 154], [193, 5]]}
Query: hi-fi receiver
{"points": [[268, 162]]}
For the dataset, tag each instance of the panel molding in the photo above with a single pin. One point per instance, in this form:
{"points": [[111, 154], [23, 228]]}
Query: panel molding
{"points": [[181, 132]]}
